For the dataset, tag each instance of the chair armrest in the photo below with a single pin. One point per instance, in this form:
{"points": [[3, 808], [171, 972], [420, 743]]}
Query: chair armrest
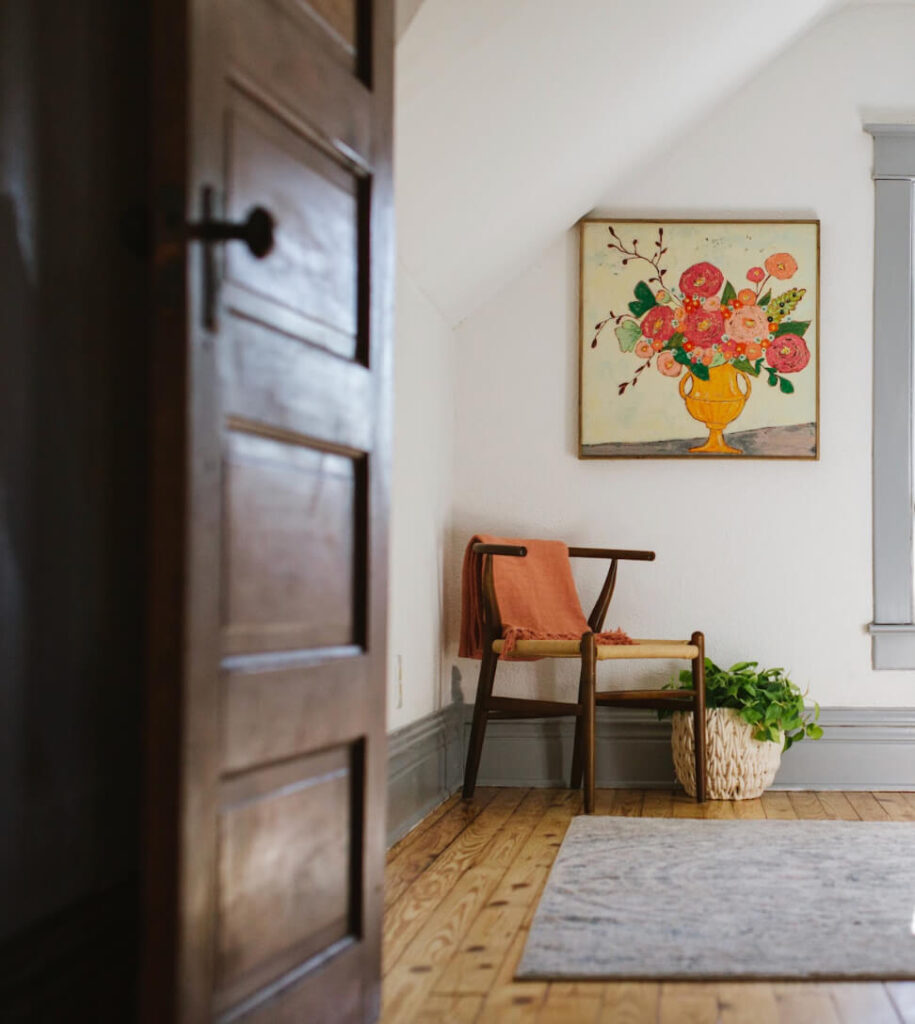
{"points": [[620, 553], [519, 551]]}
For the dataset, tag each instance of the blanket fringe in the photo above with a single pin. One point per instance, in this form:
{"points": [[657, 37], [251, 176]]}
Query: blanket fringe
{"points": [[512, 634]]}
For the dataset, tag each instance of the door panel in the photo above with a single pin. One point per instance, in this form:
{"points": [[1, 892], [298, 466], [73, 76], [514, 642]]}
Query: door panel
{"points": [[324, 100], [266, 703], [313, 272], [340, 15], [286, 870], [291, 540]]}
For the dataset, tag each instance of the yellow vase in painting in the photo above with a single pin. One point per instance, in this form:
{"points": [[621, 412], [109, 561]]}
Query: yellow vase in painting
{"points": [[716, 402]]}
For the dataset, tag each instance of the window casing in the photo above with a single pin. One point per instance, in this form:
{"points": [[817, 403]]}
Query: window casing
{"points": [[893, 628]]}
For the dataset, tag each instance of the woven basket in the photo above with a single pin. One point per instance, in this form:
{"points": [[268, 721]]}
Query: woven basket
{"points": [[739, 767]]}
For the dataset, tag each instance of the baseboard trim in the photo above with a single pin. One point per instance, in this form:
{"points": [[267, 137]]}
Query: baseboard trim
{"points": [[425, 766], [861, 749]]}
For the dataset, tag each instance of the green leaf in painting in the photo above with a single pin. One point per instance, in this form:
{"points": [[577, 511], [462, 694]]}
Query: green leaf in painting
{"points": [[764, 301], [773, 378], [674, 341], [728, 293], [699, 370], [786, 386], [644, 300], [742, 363], [798, 327], [681, 357], [758, 364], [627, 334]]}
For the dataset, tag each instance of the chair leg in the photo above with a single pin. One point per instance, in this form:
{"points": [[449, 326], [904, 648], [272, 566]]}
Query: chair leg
{"points": [[587, 689], [480, 716], [698, 666], [578, 763]]}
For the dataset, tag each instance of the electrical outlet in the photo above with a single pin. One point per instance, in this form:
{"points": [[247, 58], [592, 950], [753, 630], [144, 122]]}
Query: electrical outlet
{"points": [[399, 672]]}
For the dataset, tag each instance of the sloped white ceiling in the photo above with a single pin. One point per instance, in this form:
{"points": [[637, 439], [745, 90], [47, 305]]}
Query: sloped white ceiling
{"points": [[514, 116]]}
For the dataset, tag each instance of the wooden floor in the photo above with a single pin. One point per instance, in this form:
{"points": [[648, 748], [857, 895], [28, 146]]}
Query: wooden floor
{"points": [[463, 886]]}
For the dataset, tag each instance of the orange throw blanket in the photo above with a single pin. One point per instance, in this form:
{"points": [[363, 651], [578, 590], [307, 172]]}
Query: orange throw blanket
{"points": [[536, 596]]}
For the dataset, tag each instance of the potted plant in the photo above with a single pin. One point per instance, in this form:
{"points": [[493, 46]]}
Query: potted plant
{"points": [[752, 715]]}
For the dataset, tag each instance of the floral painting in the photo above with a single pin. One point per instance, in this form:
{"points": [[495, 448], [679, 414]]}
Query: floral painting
{"points": [[699, 339]]}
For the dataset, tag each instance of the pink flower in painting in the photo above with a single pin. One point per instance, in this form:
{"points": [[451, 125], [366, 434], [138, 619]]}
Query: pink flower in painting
{"points": [[702, 279], [704, 327], [657, 323], [668, 365], [782, 265], [748, 323], [755, 274], [788, 353], [643, 349]]}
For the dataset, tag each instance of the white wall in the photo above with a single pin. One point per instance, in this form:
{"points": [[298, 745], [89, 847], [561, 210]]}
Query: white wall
{"points": [[771, 559], [420, 502], [513, 113]]}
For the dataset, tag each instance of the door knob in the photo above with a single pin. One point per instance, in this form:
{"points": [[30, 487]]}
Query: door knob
{"points": [[256, 231]]}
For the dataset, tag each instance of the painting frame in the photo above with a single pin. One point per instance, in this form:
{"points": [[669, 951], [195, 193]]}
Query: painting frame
{"points": [[588, 449]]}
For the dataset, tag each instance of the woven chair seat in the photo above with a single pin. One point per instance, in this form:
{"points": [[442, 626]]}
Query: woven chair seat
{"points": [[679, 649]]}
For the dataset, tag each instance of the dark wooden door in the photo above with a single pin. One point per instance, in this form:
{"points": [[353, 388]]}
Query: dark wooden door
{"points": [[266, 745]]}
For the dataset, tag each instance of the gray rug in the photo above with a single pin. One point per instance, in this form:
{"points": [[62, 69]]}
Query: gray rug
{"points": [[653, 898]]}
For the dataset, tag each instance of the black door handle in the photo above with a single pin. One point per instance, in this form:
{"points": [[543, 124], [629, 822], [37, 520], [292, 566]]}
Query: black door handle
{"points": [[256, 231]]}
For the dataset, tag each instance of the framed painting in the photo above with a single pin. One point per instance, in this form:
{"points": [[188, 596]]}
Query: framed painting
{"points": [[699, 339]]}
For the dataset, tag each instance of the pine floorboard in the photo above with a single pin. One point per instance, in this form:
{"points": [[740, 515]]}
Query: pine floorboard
{"points": [[462, 888]]}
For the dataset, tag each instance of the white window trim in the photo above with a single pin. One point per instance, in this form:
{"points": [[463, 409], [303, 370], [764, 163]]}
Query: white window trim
{"points": [[893, 628]]}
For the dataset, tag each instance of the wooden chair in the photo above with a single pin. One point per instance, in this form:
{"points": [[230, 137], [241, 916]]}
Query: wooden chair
{"points": [[487, 706]]}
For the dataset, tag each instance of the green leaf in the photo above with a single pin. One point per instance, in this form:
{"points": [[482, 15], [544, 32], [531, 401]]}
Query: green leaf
{"points": [[698, 370], [644, 300], [682, 357], [798, 327], [787, 388], [773, 379], [764, 301], [627, 334], [765, 698], [742, 363], [758, 364], [674, 341], [728, 293]]}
